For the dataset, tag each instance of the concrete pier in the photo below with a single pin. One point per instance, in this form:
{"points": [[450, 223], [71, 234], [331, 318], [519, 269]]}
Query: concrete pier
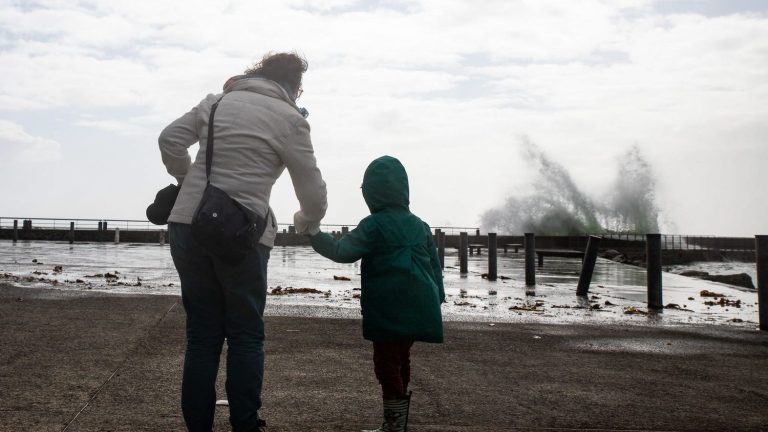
{"points": [[120, 370]]}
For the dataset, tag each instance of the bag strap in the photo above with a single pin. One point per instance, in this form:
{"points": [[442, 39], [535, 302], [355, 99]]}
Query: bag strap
{"points": [[209, 151], [209, 146]]}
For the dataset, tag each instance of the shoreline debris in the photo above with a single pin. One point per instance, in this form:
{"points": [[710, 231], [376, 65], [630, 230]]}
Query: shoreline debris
{"points": [[290, 290], [634, 311]]}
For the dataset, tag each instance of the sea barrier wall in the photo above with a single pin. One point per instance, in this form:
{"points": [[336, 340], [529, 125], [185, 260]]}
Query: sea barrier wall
{"points": [[676, 249]]}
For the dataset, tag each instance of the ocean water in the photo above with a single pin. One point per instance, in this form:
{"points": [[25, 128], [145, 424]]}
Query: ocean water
{"points": [[616, 288]]}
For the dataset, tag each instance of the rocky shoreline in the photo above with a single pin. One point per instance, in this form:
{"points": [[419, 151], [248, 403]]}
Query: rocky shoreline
{"points": [[635, 259]]}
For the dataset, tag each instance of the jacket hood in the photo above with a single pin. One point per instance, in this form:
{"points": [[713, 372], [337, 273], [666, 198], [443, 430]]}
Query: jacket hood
{"points": [[263, 86], [385, 184]]}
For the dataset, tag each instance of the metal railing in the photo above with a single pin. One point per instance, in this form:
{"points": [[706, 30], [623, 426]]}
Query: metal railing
{"points": [[682, 241], [6, 222]]}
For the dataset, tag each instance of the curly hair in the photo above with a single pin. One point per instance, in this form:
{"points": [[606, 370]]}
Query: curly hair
{"points": [[283, 68]]}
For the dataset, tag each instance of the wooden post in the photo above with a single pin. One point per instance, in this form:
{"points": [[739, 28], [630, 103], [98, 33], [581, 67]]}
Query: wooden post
{"points": [[100, 226], [653, 271], [463, 260], [761, 255], [441, 249], [117, 235], [161, 237], [104, 227], [15, 230], [71, 232], [530, 259], [291, 229], [492, 268], [588, 265]]}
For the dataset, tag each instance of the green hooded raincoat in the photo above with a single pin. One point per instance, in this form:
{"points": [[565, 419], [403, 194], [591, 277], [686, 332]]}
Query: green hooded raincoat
{"points": [[402, 283]]}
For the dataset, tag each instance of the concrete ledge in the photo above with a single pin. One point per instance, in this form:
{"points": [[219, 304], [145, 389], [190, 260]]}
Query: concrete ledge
{"points": [[99, 362]]}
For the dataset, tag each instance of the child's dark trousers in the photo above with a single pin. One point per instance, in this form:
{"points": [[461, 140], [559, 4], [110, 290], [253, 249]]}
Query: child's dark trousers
{"points": [[392, 363]]}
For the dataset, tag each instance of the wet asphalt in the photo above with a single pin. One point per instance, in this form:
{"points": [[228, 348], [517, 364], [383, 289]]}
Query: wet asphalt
{"points": [[79, 361]]}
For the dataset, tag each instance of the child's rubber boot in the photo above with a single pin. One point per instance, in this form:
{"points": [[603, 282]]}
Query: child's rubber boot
{"points": [[395, 415]]}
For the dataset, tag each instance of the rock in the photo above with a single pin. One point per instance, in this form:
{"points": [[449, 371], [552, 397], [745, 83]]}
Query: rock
{"points": [[707, 293], [341, 278], [611, 254], [739, 279], [694, 273], [58, 269]]}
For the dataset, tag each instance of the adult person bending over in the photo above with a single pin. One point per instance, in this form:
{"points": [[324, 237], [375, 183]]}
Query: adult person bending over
{"points": [[258, 132]]}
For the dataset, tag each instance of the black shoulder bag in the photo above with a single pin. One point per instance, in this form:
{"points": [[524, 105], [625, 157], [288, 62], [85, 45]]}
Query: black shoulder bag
{"points": [[222, 225]]}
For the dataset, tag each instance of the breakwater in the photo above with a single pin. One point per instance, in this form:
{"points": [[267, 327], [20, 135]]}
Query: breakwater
{"points": [[676, 249]]}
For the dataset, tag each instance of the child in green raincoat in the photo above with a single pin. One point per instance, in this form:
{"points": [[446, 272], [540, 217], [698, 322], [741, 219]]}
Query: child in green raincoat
{"points": [[402, 282]]}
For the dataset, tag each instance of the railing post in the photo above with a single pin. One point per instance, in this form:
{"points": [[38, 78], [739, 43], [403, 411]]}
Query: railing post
{"points": [[162, 237], [761, 255], [492, 268], [653, 271], [291, 229], [344, 230], [441, 249], [588, 265], [104, 226], [71, 232], [15, 230], [530, 259], [463, 244], [117, 235]]}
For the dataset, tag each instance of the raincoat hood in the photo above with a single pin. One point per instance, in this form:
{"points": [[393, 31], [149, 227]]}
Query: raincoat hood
{"points": [[385, 184]]}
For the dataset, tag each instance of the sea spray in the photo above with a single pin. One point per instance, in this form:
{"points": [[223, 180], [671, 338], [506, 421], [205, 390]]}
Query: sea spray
{"points": [[633, 202], [558, 207]]}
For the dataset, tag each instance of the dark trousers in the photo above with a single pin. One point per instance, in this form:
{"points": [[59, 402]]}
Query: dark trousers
{"points": [[221, 301], [392, 364]]}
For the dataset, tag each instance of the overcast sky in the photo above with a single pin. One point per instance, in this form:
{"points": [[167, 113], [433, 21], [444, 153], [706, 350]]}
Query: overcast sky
{"points": [[449, 87]]}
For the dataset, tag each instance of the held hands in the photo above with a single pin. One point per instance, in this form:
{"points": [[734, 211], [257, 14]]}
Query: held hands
{"points": [[304, 226]]}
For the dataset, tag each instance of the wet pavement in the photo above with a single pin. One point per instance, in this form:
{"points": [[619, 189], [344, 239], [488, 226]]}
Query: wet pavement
{"points": [[72, 360], [617, 293]]}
